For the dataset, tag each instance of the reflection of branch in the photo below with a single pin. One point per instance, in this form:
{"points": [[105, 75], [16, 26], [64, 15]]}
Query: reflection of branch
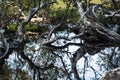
{"points": [[64, 46], [76, 56], [74, 69], [66, 71], [85, 64], [32, 65], [95, 72], [52, 41]]}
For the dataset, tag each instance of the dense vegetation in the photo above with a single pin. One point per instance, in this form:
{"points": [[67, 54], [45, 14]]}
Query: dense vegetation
{"points": [[36, 37]]}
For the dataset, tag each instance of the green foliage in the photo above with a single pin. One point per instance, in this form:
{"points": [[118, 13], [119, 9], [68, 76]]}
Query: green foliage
{"points": [[111, 4], [59, 4], [59, 9], [12, 27], [31, 27], [96, 1], [72, 15]]}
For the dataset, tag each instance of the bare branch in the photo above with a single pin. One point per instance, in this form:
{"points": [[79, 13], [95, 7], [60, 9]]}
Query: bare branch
{"points": [[81, 11], [53, 40], [58, 25], [49, 43], [65, 71], [32, 12], [93, 11], [3, 44], [113, 74], [31, 64], [111, 13]]}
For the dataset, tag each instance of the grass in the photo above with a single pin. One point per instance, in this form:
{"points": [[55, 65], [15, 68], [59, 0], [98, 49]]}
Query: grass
{"points": [[96, 1], [59, 4], [58, 9]]}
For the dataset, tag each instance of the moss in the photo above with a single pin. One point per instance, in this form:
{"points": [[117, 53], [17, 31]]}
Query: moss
{"points": [[96, 1]]}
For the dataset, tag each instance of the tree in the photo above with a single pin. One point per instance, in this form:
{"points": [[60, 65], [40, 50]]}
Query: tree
{"points": [[96, 26]]}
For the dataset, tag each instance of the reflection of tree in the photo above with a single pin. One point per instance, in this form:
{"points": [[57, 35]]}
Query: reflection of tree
{"points": [[111, 58], [97, 28]]}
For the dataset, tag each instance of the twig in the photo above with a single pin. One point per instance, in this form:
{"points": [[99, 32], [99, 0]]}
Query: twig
{"points": [[58, 25], [32, 12], [82, 12], [4, 43]]}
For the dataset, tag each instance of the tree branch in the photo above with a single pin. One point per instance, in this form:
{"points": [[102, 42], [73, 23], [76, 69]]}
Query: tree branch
{"points": [[32, 12]]}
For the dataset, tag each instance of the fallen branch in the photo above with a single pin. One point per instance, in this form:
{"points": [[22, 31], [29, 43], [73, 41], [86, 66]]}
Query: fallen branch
{"points": [[113, 74]]}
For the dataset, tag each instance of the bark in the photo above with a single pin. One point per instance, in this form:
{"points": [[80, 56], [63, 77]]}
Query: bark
{"points": [[113, 74]]}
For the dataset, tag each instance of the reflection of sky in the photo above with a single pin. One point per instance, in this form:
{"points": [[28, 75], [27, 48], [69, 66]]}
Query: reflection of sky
{"points": [[10, 60], [94, 61], [80, 64]]}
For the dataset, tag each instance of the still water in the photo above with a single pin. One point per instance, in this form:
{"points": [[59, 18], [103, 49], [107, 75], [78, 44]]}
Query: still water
{"points": [[89, 67]]}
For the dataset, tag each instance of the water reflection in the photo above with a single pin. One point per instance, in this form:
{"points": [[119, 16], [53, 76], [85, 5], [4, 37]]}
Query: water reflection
{"points": [[89, 67]]}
